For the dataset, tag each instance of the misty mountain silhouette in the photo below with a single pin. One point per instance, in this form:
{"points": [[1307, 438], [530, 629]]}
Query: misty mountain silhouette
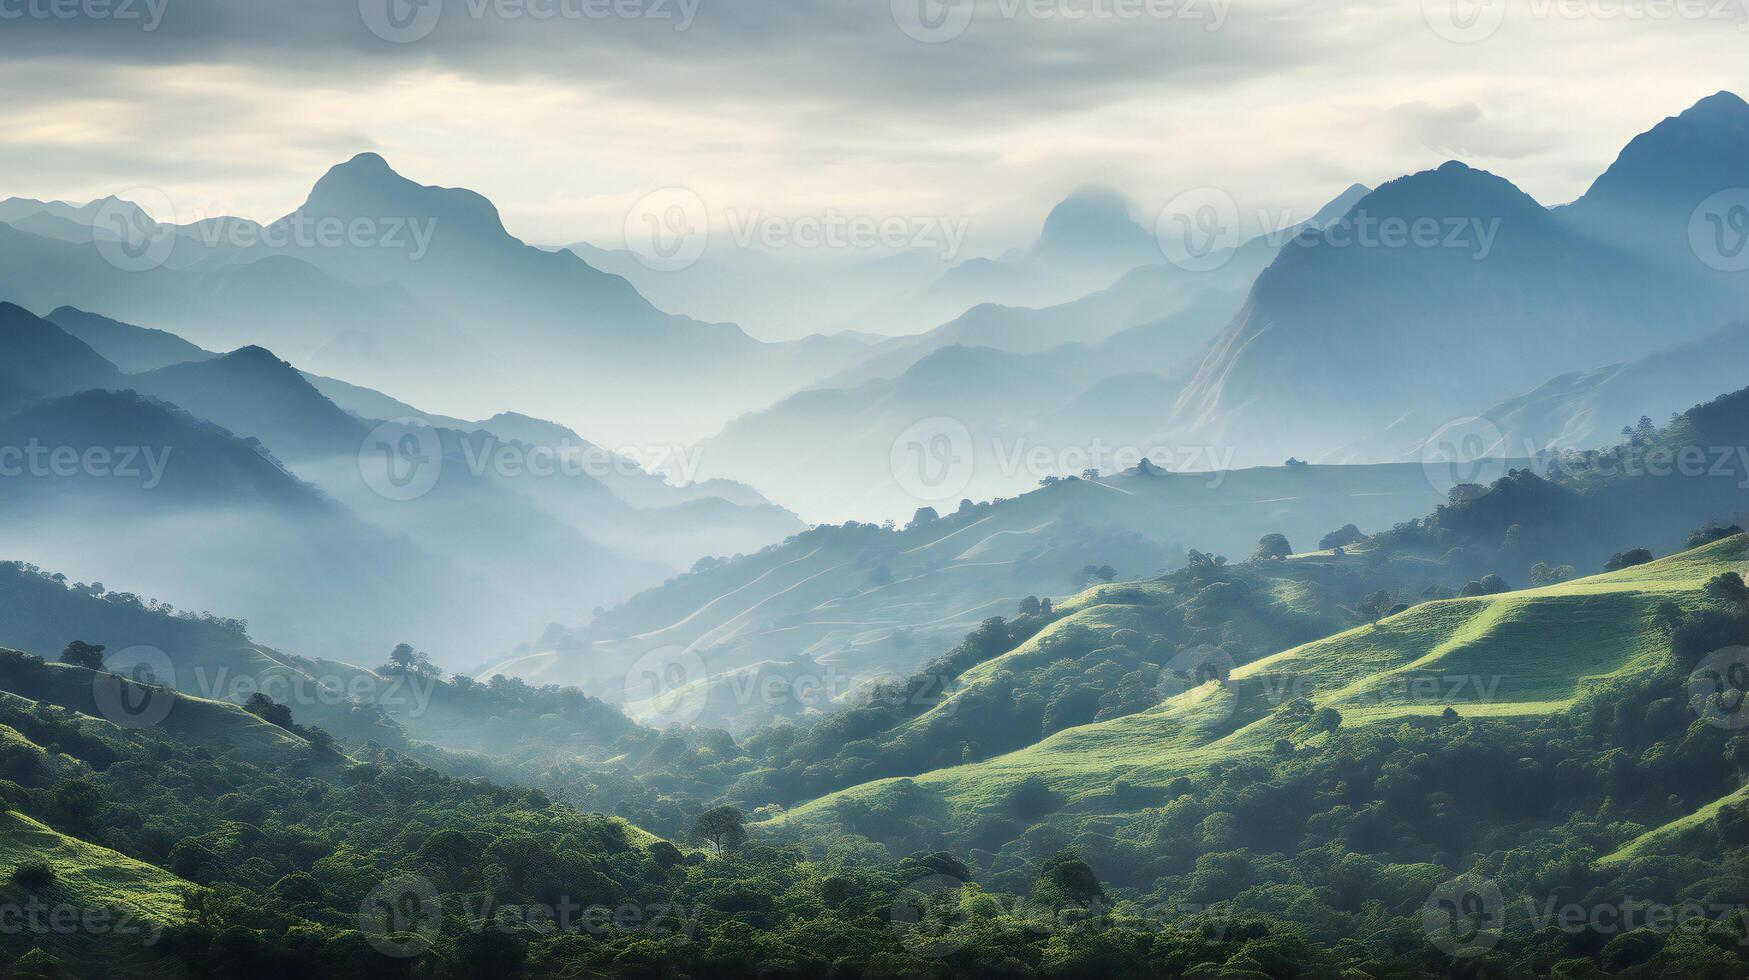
{"points": [[253, 393], [204, 464], [129, 347], [38, 356], [1338, 334], [1646, 200]]}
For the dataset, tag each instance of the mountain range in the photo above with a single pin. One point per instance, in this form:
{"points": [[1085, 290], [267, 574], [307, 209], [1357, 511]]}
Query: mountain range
{"points": [[409, 303], [1333, 340], [231, 457], [1398, 311]]}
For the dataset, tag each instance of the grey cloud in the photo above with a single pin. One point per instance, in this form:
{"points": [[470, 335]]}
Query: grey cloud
{"points": [[853, 53]]}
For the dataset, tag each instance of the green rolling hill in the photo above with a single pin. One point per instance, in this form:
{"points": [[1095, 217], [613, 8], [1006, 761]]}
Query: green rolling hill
{"points": [[1515, 658], [218, 725], [132, 901], [854, 603]]}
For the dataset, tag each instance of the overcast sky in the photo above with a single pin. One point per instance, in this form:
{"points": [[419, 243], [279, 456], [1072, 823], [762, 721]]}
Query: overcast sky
{"points": [[564, 112]]}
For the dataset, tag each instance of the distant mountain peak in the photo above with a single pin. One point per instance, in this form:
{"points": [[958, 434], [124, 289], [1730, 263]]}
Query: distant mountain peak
{"points": [[1721, 109], [1645, 199], [369, 161], [534, 431], [1341, 204], [362, 166], [40, 356], [1091, 205], [254, 355], [367, 186], [518, 417], [1091, 200], [1092, 219], [1453, 189]]}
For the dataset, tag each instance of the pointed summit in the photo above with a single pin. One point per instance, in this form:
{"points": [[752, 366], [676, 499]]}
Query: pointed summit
{"points": [[1340, 205], [1725, 109], [1646, 198]]}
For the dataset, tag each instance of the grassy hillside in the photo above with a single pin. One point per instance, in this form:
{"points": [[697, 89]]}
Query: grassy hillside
{"points": [[1522, 654], [856, 602], [128, 902], [208, 657], [216, 724]]}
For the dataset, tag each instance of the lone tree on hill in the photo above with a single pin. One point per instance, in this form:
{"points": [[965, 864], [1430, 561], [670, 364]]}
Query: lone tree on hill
{"points": [[82, 654], [1707, 535], [1342, 537], [1094, 573], [1485, 586], [723, 829], [1627, 559], [1272, 547], [1729, 588], [407, 661]]}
